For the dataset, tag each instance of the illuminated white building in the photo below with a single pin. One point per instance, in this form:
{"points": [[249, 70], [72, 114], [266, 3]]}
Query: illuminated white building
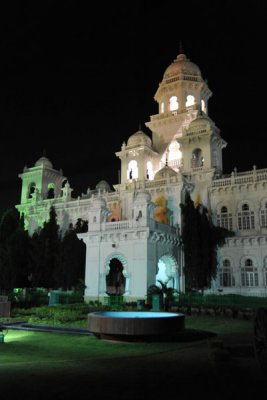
{"points": [[133, 231]]}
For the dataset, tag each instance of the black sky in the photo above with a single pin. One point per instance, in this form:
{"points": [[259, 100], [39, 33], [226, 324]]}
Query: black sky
{"points": [[77, 81]]}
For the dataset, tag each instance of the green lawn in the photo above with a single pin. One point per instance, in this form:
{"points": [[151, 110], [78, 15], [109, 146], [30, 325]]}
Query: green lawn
{"points": [[55, 365]]}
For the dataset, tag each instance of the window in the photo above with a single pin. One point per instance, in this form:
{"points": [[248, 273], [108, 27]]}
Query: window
{"points": [[190, 100], [203, 106], [31, 190], [139, 215], [162, 107], [249, 274], [197, 160], [225, 275], [174, 105], [264, 216], [149, 171], [246, 218], [224, 219], [132, 170], [51, 191]]}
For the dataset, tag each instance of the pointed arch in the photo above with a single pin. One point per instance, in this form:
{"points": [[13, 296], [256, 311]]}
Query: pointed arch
{"points": [[31, 189], [167, 271], [197, 159], [124, 270]]}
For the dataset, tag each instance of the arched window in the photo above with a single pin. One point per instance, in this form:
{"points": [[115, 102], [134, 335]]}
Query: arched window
{"points": [[173, 155], [139, 215], [224, 219], [31, 190], [190, 100], [264, 216], [197, 160], [226, 278], [132, 172], [174, 105], [149, 171], [115, 280], [162, 107], [246, 218], [249, 274], [203, 106], [51, 191]]}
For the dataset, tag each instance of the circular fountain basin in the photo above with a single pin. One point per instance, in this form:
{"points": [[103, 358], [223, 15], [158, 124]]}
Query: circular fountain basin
{"points": [[139, 325]]}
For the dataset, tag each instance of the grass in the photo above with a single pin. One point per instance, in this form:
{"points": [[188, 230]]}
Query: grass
{"points": [[62, 366]]}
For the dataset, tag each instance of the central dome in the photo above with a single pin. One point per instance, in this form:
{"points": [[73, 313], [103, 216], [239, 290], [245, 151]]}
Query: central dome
{"points": [[43, 161], [165, 173], [139, 138], [182, 66]]}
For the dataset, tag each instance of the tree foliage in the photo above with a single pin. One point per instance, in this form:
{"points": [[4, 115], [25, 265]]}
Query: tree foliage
{"points": [[166, 293], [43, 259], [200, 240], [49, 251], [14, 247], [81, 226], [71, 263]]}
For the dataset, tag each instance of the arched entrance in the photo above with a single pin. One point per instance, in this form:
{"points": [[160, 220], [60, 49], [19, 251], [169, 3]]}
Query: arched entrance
{"points": [[167, 272], [115, 280]]}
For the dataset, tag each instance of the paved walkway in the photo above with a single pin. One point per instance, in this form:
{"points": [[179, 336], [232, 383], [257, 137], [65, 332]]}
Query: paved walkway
{"points": [[23, 325]]}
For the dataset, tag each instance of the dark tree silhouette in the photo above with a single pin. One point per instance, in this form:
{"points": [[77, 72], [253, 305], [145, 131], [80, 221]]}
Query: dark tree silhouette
{"points": [[81, 226], [49, 251], [200, 240], [14, 245], [70, 270], [35, 259]]}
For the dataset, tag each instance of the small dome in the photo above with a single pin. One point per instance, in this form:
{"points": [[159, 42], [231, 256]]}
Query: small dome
{"points": [[103, 186], [139, 138], [182, 66], [164, 173], [99, 202], [143, 197], [200, 122], [43, 161]]}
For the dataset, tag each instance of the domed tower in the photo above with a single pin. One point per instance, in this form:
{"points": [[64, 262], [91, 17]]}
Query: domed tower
{"points": [[103, 186], [142, 206], [41, 182], [138, 159], [201, 145], [180, 95], [98, 213]]}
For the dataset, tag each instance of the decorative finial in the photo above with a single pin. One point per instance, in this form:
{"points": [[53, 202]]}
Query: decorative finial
{"points": [[140, 127], [44, 152]]}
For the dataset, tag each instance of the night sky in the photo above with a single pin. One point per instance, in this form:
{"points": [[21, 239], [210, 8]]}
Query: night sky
{"points": [[78, 81]]}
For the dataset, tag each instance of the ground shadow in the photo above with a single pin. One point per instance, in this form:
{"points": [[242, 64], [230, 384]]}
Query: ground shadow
{"points": [[187, 335]]}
